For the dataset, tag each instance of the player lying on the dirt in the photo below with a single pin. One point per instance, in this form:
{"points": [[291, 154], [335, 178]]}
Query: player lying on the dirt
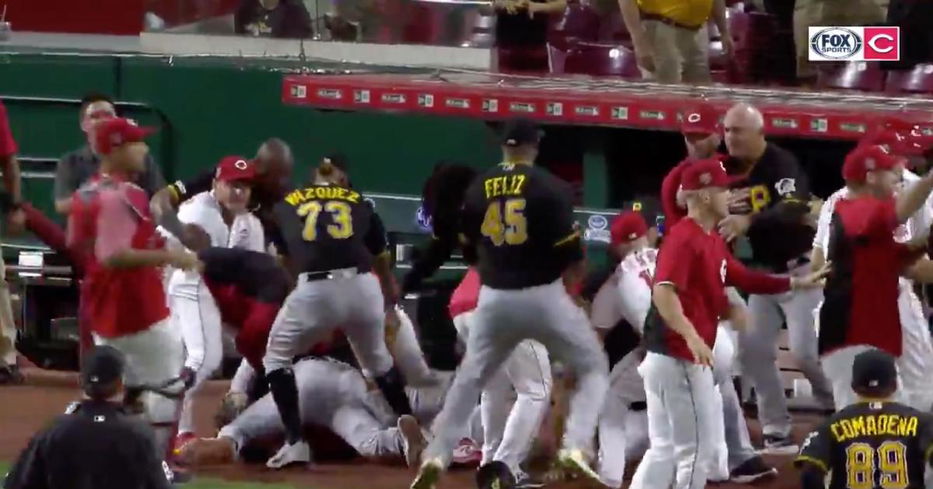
{"points": [[335, 396]]}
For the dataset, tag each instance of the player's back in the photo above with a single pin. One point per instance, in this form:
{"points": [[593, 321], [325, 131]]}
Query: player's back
{"points": [[871, 445], [326, 227], [636, 276], [521, 219]]}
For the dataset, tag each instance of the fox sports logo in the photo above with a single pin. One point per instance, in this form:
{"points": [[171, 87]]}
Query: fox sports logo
{"points": [[836, 43]]}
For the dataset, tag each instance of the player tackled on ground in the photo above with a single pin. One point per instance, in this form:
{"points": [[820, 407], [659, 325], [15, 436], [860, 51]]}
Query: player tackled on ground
{"points": [[518, 220], [694, 267], [874, 443], [333, 238]]}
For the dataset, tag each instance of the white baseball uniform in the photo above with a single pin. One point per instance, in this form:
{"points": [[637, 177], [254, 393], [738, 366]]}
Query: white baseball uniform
{"points": [[916, 360], [194, 310], [335, 395]]}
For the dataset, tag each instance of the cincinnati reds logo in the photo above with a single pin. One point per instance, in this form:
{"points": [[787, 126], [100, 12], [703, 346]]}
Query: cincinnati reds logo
{"points": [[240, 165], [694, 117], [706, 178]]}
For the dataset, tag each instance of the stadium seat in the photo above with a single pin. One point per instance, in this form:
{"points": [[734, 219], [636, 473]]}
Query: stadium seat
{"points": [[578, 23], [556, 59], [601, 60], [482, 31], [917, 80], [855, 75], [526, 60], [425, 24], [612, 29]]}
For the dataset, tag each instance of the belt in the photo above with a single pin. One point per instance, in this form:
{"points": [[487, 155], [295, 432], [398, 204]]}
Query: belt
{"points": [[339, 273], [671, 22], [638, 406]]}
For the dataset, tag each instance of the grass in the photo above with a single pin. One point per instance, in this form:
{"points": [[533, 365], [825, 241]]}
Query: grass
{"points": [[206, 483]]}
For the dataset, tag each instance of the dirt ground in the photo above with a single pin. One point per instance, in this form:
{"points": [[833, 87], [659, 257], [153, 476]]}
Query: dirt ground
{"points": [[25, 409]]}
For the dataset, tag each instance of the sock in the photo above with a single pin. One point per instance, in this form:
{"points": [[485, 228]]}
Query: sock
{"points": [[392, 386], [285, 393]]}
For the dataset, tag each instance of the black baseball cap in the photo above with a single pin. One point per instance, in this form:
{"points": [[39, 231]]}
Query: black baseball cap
{"points": [[874, 372], [101, 368], [520, 132], [339, 160]]}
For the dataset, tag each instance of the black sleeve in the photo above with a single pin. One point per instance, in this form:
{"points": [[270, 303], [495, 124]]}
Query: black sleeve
{"points": [[816, 451], [375, 238], [297, 23], [274, 233], [29, 472], [428, 261], [926, 438], [565, 233], [790, 187], [812, 478], [156, 473], [185, 189]]}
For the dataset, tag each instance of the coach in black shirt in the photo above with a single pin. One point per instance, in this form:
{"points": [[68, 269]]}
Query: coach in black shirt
{"points": [[94, 445]]}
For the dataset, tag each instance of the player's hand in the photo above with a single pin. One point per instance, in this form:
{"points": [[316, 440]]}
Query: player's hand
{"points": [[185, 260], [734, 226], [187, 376], [739, 202], [644, 54], [702, 354], [16, 221], [390, 295], [392, 325], [812, 280], [728, 45], [194, 237]]}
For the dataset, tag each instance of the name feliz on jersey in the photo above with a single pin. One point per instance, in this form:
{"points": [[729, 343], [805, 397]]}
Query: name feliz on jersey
{"points": [[507, 185], [322, 193], [874, 425]]}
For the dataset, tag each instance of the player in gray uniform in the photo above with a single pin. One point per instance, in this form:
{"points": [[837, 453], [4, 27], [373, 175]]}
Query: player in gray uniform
{"points": [[333, 395], [518, 221], [334, 242]]}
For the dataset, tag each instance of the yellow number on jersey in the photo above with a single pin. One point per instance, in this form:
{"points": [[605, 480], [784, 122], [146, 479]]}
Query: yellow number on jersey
{"points": [[340, 213], [861, 466], [505, 226]]}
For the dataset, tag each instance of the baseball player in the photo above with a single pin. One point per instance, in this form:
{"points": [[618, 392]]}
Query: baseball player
{"points": [[916, 359], [694, 265], [630, 293], [223, 216], [122, 291], [860, 310], [9, 372], [875, 442], [701, 131], [336, 396], [329, 234], [518, 222], [770, 199], [508, 428]]}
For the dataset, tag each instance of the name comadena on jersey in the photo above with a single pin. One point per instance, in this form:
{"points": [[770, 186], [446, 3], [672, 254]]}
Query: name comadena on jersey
{"points": [[874, 425], [322, 193]]}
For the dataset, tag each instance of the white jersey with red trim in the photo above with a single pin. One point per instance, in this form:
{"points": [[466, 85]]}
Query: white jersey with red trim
{"points": [[635, 276]]}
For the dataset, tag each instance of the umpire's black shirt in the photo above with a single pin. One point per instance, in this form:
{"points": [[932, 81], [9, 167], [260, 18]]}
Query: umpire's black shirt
{"points": [[92, 446]]}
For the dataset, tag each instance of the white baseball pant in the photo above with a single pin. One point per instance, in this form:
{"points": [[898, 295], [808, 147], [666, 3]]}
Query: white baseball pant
{"points": [[915, 365], [622, 432], [407, 353], [509, 429], [314, 309], [196, 316], [7, 323], [680, 424], [758, 353], [153, 357], [504, 318], [734, 446], [838, 367]]}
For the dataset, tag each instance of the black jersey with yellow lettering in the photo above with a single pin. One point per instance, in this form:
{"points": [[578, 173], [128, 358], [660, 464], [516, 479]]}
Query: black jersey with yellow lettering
{"points": [[871, 445], [520, 219], [328, 227]]}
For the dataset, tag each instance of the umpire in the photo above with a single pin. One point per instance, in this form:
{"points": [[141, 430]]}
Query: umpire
{"points": [[94, 445]]}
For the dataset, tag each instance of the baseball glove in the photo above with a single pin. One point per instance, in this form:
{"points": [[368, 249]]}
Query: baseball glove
{"points": [[232, 405]]}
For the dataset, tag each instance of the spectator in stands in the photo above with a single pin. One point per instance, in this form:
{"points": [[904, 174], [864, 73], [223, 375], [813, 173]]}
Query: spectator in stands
{"points": [[670, 37], [524, 23], [77, 167], [831, 12], [287, 19]]}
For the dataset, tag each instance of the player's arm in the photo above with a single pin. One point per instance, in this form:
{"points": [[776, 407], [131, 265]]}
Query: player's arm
{"points": [[669, 188], [8, 161], [752, 281], [66, 183], [565, 233], [116, 226], [911, 199], [634, 307], [376, 243], [813, 462], [823, 223], [164, 204]]}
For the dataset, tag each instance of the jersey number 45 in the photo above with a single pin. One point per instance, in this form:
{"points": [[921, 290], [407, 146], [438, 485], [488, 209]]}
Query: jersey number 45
{"points": [[505, 223], [340, 213]]}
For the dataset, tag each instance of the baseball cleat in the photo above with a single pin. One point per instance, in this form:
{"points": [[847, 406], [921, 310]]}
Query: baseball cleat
{"points": [[413, 441], [574, 462], [181, 440], [778, 445], [428, 474], [752, 470], [10, 375], [290, 453]]}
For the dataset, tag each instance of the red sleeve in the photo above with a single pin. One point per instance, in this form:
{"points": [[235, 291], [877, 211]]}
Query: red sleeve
{"points": [[669, 188], [7, 143], [751, 281], [675, 252]]}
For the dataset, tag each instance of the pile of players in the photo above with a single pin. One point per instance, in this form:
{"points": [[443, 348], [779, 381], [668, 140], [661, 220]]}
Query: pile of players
{"points": [[669, 396]]}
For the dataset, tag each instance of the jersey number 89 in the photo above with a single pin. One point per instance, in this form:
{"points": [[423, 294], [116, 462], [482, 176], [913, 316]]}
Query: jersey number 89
{"points": [[505, 223], [861, 465], [340, 213]]}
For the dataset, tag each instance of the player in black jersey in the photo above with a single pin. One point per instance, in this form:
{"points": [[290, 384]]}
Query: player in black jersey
{"points": [[519, 219], [332, 238], [873, 444]]}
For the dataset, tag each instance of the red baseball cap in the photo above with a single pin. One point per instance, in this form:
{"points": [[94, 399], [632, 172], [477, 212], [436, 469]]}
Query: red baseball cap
{"points": [[900, 142], [117, 131], [702, 119], [235, 168], [701, 174], [627, 226], [864, 159]]}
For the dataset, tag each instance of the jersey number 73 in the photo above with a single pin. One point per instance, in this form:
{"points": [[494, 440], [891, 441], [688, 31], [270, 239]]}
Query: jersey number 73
{"points": [[341, 215], [505, 223]]}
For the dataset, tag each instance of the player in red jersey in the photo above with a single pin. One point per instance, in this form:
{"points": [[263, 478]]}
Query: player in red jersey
{"points": [[702, 136], [689, 298], [860, 310], [122, 292]]}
